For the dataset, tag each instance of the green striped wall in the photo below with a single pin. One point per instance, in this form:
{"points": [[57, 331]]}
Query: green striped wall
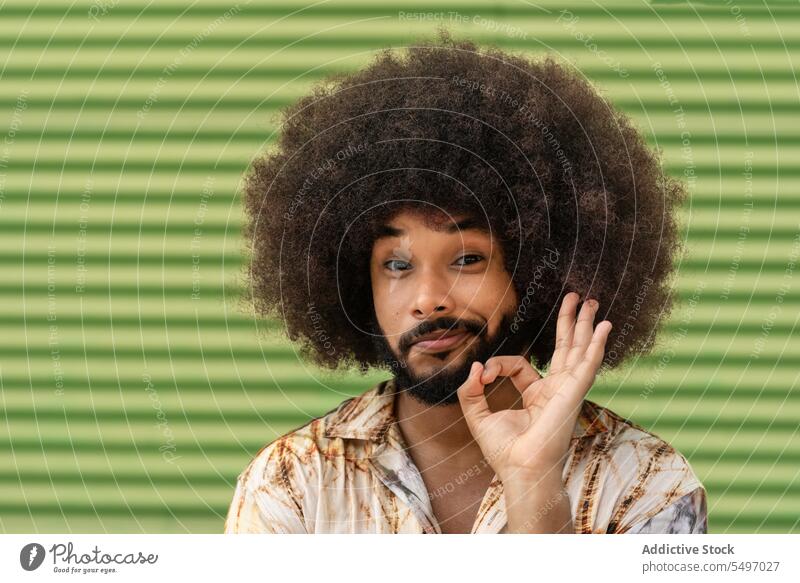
{"points": [[130, 405]]}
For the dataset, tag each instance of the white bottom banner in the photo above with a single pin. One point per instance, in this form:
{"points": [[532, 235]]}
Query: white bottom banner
{"points": [[401, 558]]}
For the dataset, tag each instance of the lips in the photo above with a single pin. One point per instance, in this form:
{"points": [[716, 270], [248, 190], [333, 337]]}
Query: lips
{"points": [[440, 341]]}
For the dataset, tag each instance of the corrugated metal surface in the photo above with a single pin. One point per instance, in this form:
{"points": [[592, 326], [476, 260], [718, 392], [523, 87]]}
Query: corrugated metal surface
{"points": [[130, 405]]}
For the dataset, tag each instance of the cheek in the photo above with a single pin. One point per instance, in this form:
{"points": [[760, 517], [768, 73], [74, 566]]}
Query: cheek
{"points": [[499, 298], [503, 285], [510, 298], [495, 293], [379, 289], [386, 306]]}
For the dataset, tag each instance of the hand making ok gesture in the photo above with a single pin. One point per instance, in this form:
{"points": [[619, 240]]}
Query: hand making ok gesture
{"points": [[533, 441]]}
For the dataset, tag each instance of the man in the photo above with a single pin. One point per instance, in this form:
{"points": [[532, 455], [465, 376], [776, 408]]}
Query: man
{"points": [[433, 215]]}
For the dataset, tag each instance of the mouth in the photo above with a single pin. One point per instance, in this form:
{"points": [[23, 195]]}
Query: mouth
{"points": [[441, 342]]}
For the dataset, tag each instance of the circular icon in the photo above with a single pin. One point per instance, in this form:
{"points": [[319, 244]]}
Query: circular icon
{"points": [[31, 556]]}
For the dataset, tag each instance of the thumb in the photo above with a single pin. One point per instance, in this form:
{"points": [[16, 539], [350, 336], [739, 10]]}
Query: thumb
{"points": [[472, 398]]}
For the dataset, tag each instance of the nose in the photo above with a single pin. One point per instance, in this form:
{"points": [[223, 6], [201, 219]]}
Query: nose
{"points": [[432, 296]]}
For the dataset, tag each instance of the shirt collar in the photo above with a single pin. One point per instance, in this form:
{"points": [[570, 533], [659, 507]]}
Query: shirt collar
{"points": [[370, 415]]}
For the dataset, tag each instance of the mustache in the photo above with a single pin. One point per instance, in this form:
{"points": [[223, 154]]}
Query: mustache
{"points": [[443, 323]]}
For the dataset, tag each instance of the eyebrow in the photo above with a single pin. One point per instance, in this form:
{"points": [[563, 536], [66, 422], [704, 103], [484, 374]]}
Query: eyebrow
{"points": [[463, 225]]}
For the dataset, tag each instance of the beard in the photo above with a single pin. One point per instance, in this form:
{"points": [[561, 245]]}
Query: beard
{"points": [[440, 385]]}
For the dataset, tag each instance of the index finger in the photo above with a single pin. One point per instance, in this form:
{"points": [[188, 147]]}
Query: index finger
{"points": [[565, 327], [518, 368], [473, 399]]}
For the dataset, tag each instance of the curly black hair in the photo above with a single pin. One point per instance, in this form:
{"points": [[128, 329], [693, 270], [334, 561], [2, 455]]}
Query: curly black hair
{"points": [[571, 189]]}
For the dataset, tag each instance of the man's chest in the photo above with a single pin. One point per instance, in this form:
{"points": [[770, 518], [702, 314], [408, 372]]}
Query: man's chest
{"points": [[456, 494]]}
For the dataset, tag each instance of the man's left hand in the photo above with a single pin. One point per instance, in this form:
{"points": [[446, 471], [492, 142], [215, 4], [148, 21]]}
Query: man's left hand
{"points": [[532, 442]]}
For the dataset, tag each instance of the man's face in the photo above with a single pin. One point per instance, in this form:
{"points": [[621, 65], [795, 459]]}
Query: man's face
{"points": [[431, 279]]}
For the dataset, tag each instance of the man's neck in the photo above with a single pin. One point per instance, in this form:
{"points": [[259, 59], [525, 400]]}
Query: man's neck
{"points": [[443, 427]]}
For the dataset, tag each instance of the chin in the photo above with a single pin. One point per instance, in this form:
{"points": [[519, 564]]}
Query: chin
{"points": [[429, 364], [434, 379], [435, 384]]}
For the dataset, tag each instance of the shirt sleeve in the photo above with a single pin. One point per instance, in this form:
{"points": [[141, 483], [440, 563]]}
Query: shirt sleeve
{"points": [[686, 515], [262, 511], [265, 501], [654, 478]]}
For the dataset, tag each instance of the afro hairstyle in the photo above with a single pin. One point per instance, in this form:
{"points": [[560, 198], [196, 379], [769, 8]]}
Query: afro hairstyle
{"points": [[566, 183]]}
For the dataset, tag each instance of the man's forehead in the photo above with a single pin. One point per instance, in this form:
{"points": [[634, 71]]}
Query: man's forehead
{"points": [[440, 222]]}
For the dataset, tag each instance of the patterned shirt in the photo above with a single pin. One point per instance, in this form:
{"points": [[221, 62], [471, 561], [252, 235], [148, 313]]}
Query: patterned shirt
{"points": [[349, 472]]}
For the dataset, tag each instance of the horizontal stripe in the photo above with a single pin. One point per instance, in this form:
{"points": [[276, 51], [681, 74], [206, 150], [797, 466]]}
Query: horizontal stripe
{"points": [[360, 41], [768, 10], [172, 138], [280, 72], [96, 228], [228, 104]]}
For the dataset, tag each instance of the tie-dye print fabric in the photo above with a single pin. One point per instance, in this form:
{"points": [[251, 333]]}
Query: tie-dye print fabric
{"points": [[348, 472]]}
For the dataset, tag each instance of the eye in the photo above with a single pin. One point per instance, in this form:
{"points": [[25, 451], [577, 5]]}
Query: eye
{"points": [[399, 263], [473, 257]]}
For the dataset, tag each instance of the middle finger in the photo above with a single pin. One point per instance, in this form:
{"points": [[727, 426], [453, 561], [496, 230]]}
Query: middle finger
{"points": [[583, 331]]}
